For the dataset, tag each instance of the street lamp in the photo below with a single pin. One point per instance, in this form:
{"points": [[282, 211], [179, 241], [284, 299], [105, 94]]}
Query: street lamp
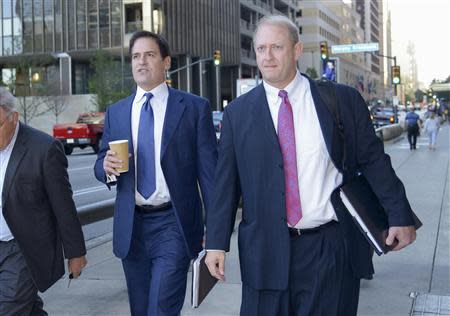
{"points": [[35, 77]]}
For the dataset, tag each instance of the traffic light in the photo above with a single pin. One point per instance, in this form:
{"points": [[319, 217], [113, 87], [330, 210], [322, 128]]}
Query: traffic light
{"points": [[395, 74], [324, 50], [217, 57]]}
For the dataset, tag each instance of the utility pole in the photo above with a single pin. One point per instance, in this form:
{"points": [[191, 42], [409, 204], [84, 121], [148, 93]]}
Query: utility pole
{"points": [[217, 60], [122, 54], [394, 58]]}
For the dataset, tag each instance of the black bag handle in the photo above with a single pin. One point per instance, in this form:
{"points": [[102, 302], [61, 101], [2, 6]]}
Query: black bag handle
{"points": [[327, 91]]}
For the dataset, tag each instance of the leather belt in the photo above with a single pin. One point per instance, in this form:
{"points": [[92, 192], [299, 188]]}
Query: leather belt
{"points": [[147, 209], [295, 232]]}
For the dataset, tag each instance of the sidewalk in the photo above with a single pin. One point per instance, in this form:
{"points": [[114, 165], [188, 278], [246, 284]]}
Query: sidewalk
{"points": [[414, 281]]}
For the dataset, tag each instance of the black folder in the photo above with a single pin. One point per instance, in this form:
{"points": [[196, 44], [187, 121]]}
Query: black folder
{"points": [[368, 214], [202, 280]]}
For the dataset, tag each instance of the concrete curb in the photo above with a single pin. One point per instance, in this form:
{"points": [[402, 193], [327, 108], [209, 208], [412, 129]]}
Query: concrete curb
{"points": [[389, 132]]}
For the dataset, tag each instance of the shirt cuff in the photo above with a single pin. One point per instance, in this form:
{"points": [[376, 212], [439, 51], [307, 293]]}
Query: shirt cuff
{"points": [[111, 178], [208, 250]]}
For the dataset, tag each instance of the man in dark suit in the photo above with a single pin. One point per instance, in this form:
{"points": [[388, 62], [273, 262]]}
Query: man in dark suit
{"points": [[38, 220], [299, 252], [158, 226]]}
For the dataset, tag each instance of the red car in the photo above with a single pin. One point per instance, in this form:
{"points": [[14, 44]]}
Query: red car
{"points": [[87, 131]]}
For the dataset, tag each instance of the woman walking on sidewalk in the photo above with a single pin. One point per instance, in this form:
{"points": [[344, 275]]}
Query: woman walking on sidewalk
{"points": [[431, 128]]}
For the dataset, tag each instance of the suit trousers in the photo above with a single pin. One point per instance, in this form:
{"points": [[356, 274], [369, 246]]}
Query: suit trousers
{"points": [[320, 280], [156, 266], [18, 293], [413, 132]]}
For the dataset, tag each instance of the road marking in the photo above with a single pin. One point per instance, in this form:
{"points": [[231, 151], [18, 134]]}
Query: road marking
{"points": [[89, 190], [80, 168]]}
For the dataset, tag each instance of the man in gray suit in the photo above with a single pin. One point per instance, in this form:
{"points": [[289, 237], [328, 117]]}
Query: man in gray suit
{"points": [[38, 219]]}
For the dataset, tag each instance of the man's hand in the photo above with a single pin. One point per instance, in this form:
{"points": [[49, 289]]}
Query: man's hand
{"points": [[75, 265], [111, 163], [402, 235], [215, 261]]}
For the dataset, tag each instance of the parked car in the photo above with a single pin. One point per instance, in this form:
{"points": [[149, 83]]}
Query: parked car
{"points": [[383, 117], [217, 121], [87, 131]]}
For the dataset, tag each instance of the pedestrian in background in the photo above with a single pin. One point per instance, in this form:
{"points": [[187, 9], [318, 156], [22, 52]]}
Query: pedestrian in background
{"points": [[38, 219], [412, 123], [431, 127], [300, 253], [158, 222]]}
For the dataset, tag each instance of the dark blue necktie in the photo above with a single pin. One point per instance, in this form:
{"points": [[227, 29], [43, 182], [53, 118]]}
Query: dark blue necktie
{"points": [[146, 180]]}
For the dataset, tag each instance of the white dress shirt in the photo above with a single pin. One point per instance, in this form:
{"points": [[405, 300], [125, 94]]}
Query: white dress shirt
{"points": [[317, 175], [5, 154], [159, 104]]}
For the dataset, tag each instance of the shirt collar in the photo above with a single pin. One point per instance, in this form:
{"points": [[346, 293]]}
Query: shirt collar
{"points": [[160, 92], [13, 140], [293, 86]]}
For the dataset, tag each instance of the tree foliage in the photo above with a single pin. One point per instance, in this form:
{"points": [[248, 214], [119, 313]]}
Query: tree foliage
{"points": [[312, 73], [418, 94], [106, 82]]}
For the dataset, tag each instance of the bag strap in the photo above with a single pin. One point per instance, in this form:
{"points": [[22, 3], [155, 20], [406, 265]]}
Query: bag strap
{"points": [[327, 91]]}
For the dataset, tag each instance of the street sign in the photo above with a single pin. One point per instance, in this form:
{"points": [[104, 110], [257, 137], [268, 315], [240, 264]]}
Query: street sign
{"points": [[354, 48]]}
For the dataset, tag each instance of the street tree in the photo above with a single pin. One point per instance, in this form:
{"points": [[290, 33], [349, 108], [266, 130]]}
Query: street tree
{"points": [[25, 84], [447, 80], [106, 82], [54, 101], [418, 94], [312, 72]]}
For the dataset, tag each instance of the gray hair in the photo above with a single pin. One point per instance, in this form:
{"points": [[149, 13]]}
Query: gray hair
{"points": [[282, 21], [7, 101]]}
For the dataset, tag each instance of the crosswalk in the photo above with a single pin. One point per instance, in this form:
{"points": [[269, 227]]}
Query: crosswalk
{"points": [[422, 140]]}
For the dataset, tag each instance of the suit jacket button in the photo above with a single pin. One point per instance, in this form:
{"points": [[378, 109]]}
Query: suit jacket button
{"points": [[283, 193], [280, 165]]}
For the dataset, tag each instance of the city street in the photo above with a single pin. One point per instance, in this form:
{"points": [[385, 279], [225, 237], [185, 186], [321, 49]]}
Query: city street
{"points": [[422, 268], [87, 190]]}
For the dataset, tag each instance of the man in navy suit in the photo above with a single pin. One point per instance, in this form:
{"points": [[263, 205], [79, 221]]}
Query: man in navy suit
{"points": [[158, 223], [300, 254]]}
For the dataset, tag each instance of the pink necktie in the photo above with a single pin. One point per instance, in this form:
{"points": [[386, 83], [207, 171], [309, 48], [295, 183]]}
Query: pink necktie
{"points": [[286, 138]]}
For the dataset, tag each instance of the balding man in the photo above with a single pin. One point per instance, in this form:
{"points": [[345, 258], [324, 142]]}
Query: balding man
{"points": [[300, 253], [38, 220]]}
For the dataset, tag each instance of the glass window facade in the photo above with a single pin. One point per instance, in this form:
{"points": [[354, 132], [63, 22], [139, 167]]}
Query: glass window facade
{"points": [[93, 24], [35, 26], [115, 23], [81, 24], [104, 22], [38, 17], [48, 25]]}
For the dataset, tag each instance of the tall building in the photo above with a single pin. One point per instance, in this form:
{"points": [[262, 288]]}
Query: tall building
{"points": [[371, 21], [250, 12], [70, 32], [337, 23], [389, 88], [317, 22], [353, 69], [412, 65]]}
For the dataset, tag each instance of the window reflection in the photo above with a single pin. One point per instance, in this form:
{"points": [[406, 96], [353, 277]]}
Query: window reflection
{"points": [[103, 11], [92, 16], [81, 24], [115, 23]]}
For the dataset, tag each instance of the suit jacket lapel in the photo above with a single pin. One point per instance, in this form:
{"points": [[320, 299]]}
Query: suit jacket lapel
{"points": [[174, 111], [17, 154], [328, 126], [261, 114], [126, 115]]}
